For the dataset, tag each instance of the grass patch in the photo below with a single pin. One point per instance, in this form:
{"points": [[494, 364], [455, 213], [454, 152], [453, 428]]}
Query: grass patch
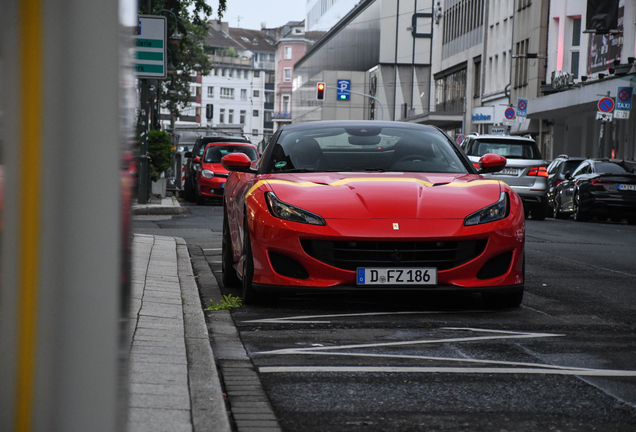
{"points": [[228, 303]]}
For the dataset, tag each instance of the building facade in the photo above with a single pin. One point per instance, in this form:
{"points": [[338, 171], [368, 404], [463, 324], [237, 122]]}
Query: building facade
{"points": [[322, 15]]}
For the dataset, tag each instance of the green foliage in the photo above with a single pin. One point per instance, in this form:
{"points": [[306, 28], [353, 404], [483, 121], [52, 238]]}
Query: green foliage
{"points": [[188, 55], [228, 302], [160, 150]]}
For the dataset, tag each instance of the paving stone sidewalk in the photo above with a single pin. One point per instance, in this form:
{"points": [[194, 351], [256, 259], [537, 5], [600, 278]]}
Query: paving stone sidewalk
{"points": [[174, 383]]}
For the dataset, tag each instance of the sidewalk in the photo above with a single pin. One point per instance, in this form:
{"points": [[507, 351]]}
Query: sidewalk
{"points": [[174, 384], [158, 206]]}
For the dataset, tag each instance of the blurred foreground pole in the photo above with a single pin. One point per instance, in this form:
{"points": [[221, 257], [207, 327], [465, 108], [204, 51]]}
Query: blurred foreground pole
{"points": [[61, 297]]}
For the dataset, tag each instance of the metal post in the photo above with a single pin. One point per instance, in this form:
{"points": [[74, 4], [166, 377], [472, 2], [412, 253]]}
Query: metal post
{"points": [[600, 139], [144, 168]]}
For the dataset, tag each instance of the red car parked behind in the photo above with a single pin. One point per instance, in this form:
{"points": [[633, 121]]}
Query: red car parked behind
{"points": [[211, 175]]}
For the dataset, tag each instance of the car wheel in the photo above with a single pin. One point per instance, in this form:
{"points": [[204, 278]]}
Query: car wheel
{"points": [[502, 300], [579, 216], [188, 190], [631, 220], [556, 211], [250, 295], [539, 213], [200, 200], [230, 279]]}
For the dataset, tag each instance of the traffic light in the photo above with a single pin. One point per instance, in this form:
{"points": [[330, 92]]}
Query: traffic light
{"points": [[320, 91], [209, 111]]}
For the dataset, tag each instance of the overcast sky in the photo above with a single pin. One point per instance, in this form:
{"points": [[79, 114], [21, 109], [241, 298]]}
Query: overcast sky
{"points": [[252, 13]]}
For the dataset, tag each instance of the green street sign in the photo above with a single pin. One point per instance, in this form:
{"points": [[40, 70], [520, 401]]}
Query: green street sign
{"points": [[150, 47]]}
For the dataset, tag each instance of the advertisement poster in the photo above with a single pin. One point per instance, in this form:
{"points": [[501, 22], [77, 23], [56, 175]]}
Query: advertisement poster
{"points": [[605, 48]]}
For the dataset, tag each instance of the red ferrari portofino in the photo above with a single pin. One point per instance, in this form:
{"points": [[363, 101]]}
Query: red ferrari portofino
{"points": [[368, 205]]}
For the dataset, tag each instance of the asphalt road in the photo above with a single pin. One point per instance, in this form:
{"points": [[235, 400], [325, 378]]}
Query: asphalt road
{"points": [[564, 361]]}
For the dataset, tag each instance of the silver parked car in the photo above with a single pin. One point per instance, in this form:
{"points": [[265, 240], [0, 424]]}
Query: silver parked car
{"points": [[525, 170]]}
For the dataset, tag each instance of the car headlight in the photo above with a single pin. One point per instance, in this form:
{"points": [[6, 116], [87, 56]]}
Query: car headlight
{"points": [[207, 173], [288, 212], [494, 212]]}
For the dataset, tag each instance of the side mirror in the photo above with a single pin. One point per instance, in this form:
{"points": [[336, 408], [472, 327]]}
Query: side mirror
{"points": [[568, 176], [490, 163], [238, 162], [196, 160]]}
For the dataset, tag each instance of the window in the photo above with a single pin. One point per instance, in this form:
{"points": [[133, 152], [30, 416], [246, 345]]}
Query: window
{"points": [[450, 91], [257, 74], [227, 93], [210, 92], [257, 93], [287, 74], [298, 31], [230, 116], [288, 52], [242, 117], [223, 72], [216, 71], [255, 113], [243, 94], [222, 115], [285, 106], [477, 77], [576, 44], [254, 132]]}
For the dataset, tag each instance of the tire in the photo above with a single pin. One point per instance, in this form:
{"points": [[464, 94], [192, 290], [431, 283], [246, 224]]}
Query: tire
{"points": [[631, 220], [199, 198], [229, 277], [502, 300], [250, 295], [539, 213], [556, 211], [188, 190], [579, 216]]}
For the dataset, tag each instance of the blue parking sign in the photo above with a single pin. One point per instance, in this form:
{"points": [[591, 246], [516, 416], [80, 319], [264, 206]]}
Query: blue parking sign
{"points": [[344, 87]]}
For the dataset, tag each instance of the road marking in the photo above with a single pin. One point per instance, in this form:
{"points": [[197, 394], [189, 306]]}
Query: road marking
{"points": [[500, 334], [213, 249], [303, 319], [510, 367], [456, 370]]}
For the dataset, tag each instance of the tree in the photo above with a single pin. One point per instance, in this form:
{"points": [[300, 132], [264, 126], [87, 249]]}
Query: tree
{"points": [[187, 55]]}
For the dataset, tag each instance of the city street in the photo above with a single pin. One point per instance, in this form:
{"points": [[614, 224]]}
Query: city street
{"points": [[565, 360]]}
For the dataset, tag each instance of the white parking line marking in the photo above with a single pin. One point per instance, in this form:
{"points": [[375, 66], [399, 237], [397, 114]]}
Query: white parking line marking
{"points": [[502, 335], [511, 367], [303, 319], [456, 370]]}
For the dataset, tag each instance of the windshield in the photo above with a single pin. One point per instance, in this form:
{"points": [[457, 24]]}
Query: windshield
{"points": [[213, 154], [512, 149], [363, 148], [609, 168]]}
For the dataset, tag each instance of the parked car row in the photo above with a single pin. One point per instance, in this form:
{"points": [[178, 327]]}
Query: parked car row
{"points": [[205, 176], [601, 188]]}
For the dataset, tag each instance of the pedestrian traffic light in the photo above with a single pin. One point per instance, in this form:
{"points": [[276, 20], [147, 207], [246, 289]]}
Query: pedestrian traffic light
{"points": [[320, 91]]}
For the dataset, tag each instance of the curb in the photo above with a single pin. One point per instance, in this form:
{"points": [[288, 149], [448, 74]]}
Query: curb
{"points": [[206, 394]]}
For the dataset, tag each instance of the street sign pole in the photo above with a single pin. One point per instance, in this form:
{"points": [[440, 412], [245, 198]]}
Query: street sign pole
{"points": [[604, 105], [144, 166]]}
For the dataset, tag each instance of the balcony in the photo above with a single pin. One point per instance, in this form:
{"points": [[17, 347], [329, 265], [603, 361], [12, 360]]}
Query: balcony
{"points": [[281, 115], [269, 86], [228, 60], [267, 65], [269, 105]]}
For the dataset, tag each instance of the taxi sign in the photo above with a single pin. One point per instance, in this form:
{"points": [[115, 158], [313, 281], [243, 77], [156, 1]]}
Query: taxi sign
{"points": [[606, 105], [624, 99], [522, 107]]}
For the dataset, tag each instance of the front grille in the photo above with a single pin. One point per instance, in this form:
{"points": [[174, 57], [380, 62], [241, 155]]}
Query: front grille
{"points": [[349, 255]]}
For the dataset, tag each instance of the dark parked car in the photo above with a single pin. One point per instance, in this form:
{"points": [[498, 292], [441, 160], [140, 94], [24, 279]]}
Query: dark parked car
{"points": [[193, 162], [557, 170], [598, 187]]}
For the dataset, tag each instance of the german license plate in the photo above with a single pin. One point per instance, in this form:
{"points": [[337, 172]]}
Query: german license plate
{"points": [[508, 171], [630, 187], [397, 276]]}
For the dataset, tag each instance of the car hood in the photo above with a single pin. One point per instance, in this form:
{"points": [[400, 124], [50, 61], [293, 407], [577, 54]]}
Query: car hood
{"points": [[214, 167], [384, 195]]}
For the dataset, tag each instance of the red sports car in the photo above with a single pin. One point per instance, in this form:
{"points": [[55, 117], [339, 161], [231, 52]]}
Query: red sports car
{"points": [[368, 205], [211, 175]]}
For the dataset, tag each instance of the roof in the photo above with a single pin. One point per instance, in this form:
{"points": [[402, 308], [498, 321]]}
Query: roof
{"points": [[355, 123], [254, 40], [218, 38], [501, 137]]}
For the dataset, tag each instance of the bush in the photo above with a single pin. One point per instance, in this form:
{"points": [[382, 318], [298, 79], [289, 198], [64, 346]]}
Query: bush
{"points": [[160, 152]]}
